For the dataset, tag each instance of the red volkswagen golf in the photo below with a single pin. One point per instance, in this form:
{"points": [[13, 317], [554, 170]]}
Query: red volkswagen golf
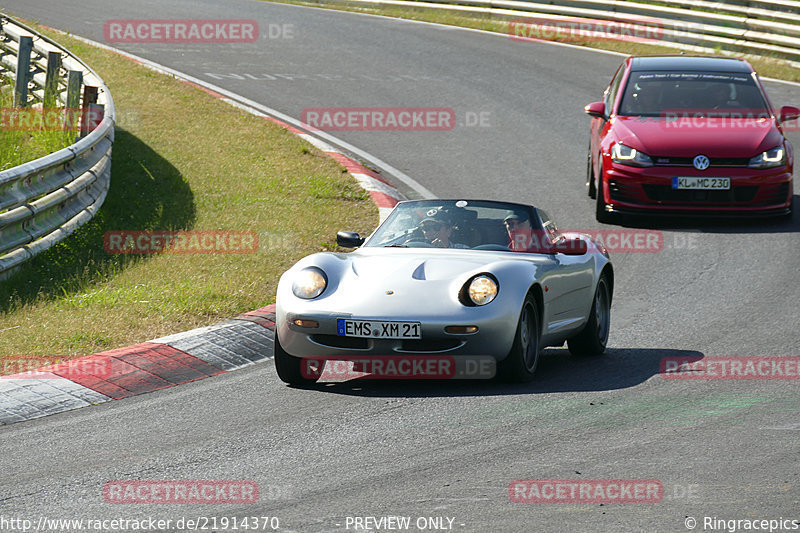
{"points": [[688, 135]]}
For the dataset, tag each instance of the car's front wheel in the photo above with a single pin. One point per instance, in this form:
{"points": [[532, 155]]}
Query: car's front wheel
{"points": [[591, 189], [523, 359], [593, 338], [289, 367]]}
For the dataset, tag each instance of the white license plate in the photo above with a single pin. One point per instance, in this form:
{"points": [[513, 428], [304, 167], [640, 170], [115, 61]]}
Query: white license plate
{"points": [[701, 183], [378, 329]]}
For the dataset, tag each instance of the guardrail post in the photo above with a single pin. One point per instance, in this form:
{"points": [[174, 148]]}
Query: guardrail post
{"points": [[73, 104], [90, 110], [51, 81], [92, 117], [23, 75]]}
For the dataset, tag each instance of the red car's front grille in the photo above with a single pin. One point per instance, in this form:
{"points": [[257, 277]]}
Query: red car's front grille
{"points": [[660, 161], [665, 193]]}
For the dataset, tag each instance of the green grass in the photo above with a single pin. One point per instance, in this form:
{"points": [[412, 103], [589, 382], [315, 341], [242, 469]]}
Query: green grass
{"points": [[182, 160], [773, 67], [20, 144]]}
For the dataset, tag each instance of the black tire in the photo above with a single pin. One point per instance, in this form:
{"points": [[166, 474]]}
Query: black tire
{"points": [[289, 367], [522, 360], [591, 189], [600, 212], [593, 338]]}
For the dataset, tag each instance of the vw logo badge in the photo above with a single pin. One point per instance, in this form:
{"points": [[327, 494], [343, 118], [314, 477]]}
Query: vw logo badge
{"points": [[701, 162]]}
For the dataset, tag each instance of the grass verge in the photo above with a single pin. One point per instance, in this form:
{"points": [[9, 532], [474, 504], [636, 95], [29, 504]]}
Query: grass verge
{"points": [[182, 160], [21, 142], [765, 66]]}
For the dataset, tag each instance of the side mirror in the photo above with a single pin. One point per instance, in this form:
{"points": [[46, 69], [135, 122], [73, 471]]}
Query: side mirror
{"points": [[596, 109], [571, 246], [349, 239], [789, 112]]}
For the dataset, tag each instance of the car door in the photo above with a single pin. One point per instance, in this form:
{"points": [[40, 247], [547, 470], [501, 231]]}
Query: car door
{"points": [[569, 284]]}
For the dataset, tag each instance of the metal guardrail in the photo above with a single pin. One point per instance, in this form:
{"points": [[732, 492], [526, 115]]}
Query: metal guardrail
{"points": [[45, 200], [758, 27]]}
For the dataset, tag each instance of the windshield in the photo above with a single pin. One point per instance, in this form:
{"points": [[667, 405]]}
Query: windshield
{"points": [[479, 225], [665, 94]]}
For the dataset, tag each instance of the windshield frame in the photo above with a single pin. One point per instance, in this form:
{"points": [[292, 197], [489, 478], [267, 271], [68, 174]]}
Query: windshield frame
{"points": [[386, 235]]}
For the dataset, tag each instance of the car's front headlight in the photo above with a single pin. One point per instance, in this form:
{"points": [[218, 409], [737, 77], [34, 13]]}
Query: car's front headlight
{"points": [[309, 283], [481, 290], [625, 155], [769, 159]]}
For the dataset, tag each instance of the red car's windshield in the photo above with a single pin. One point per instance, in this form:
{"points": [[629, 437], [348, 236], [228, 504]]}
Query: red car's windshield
{"points": [[665, 94]]}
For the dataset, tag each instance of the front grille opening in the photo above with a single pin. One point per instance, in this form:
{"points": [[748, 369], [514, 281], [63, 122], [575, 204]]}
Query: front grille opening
{"points": [[432, 345], [335, 341], [665, 193], [713, 161]]}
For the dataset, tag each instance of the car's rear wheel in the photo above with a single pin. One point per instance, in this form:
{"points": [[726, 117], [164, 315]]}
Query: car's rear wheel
{"points": [[289, 367], [591, 189], [600, 212], [593, 338], [523, 359]]}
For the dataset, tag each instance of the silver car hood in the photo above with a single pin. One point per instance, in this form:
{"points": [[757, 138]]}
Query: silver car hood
{"points": [[381, 281], [400, 266]]}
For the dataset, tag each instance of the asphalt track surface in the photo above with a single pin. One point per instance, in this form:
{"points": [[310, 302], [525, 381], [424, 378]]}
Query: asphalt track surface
{"points": [[720, 448]]}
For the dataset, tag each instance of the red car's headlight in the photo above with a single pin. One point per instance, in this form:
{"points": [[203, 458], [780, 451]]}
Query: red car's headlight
{"points": [[769, 159], [625, 155]]}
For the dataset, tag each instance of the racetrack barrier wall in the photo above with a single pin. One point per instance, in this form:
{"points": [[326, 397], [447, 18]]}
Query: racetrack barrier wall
{"points": [[757, 27], [45, 200]]}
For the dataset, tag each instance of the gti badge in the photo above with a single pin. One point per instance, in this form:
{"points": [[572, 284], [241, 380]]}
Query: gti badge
{"points": [[701, 162]]}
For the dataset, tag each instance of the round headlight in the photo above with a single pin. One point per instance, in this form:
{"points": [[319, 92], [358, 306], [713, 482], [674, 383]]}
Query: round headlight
{"points": [[482, 290], [309, 283]]}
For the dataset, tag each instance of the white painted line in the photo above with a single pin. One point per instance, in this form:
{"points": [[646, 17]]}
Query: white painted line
{"points": [[383, 212], [322, 145], [369, 183]]}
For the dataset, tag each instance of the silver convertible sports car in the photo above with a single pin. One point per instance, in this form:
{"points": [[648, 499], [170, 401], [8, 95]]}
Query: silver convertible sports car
{"points": [[447, 278]]}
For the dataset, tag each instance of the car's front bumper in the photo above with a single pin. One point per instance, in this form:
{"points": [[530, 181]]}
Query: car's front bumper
{"points": [[495, 335], [631, 190]]}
